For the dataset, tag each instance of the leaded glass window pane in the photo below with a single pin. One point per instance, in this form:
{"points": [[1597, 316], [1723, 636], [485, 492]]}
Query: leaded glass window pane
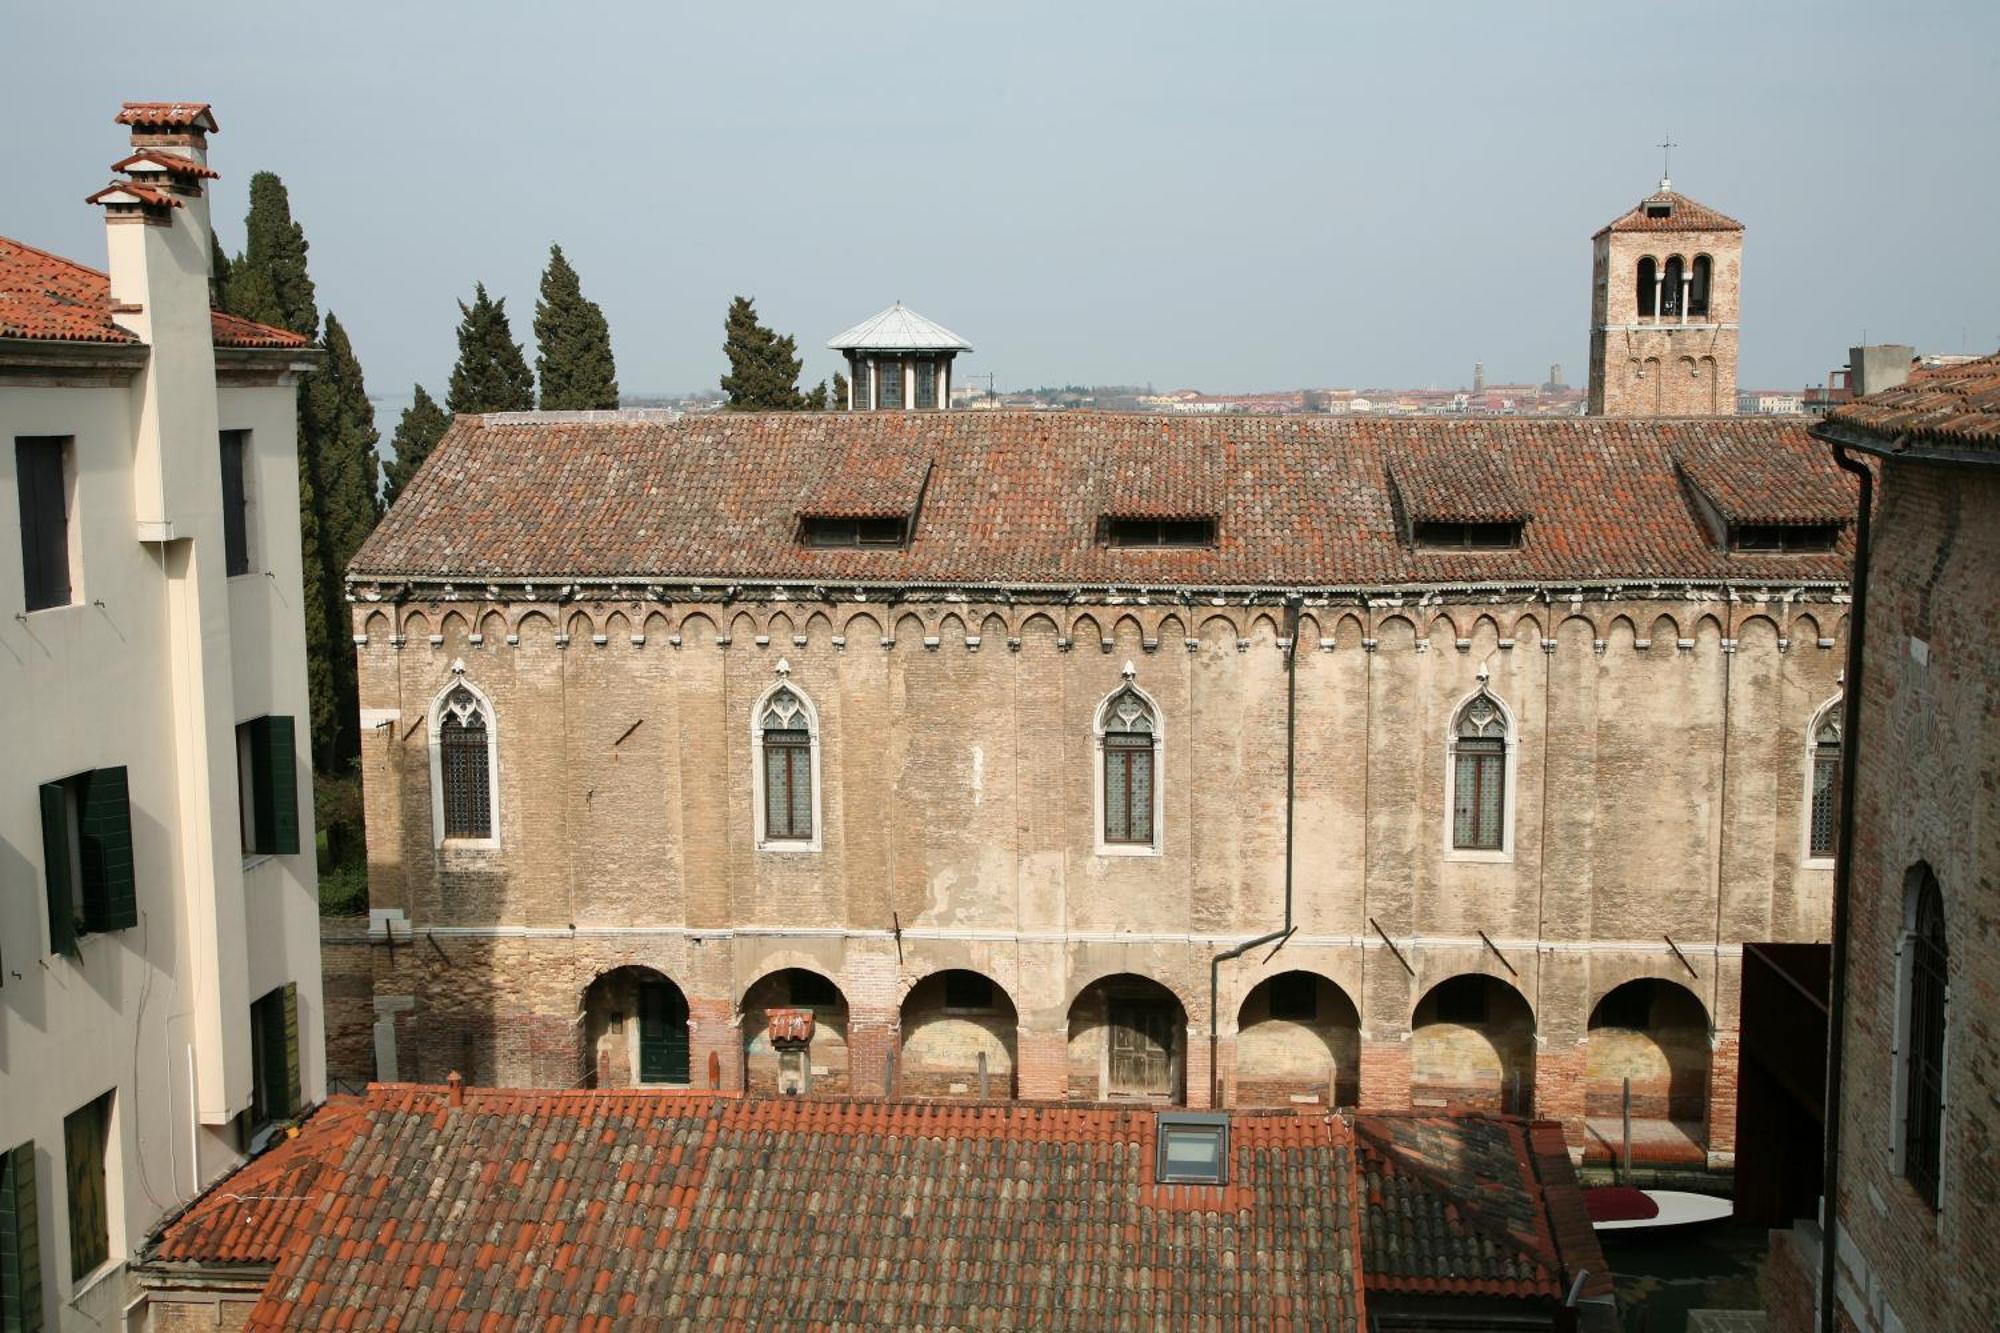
{"points": [[888, 384], [465, 763], [1479, 795], [1923, 1125], [787, 785], [926, 383], [1825, 798]]}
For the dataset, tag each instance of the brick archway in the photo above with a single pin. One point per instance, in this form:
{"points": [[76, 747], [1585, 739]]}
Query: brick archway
{"points": [[1298, 1039], [949, 1020], [1472, 1047]]}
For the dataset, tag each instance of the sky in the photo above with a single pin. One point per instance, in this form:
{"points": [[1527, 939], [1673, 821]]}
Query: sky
{"points": [[1225, 196]]}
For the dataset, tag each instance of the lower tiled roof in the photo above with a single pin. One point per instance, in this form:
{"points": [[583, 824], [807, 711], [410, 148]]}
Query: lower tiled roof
{"points": [[1016, 498], [1953, 405], [611, 1210], [45, 296]]}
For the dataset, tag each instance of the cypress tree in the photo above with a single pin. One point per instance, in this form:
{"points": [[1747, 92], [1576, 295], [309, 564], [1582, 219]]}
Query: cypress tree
{"points": [[218, 272], [269, 282], [763, 367], [423, 424], [572, 342], [837, 400], [492, 374]]}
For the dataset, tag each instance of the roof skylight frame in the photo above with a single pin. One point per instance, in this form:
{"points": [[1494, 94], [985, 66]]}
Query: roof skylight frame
{"points": [[1191, 1148]]}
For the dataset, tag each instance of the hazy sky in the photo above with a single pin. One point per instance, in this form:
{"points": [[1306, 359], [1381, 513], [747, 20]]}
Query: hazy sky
{"points": [[1229, 196]]}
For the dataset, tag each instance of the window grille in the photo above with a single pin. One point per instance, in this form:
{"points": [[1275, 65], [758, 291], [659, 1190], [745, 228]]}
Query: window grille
{"points": [[1128, 771], [1826, 784], [1479, 777], [788, 794], [926, 383], [1923, 1121], [466, 764], [888, 385]]}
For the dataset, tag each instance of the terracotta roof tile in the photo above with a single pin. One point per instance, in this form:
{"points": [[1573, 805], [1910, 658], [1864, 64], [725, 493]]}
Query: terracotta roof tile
{"points": [[591, 1210], [140, 190], [1758, 487], [1682, 214], [45, 296], [1014, 498], [1954, 405], [1472, 486], [245, 1217], [172, 115], [171, 163]]}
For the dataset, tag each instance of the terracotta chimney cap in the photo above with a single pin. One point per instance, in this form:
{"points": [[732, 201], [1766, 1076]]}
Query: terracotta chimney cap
{"points": [[454, 1088], [194, 116], [790, 1027], [153, 161]]}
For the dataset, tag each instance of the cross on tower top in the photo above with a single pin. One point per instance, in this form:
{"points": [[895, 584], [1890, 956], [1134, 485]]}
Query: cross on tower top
{"points": [[1666, 145]]}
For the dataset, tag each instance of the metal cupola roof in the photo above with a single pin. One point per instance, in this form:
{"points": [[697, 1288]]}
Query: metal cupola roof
{"points": [[899, 329]]}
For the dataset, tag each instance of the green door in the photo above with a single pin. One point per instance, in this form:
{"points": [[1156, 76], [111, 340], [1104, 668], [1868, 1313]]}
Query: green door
{"points": [[663, 1034]]}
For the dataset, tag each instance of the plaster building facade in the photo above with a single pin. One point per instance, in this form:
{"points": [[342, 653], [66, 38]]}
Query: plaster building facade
{"points": [[1664, 307], [159, 946], [1917, 1202], [1502, 734]]}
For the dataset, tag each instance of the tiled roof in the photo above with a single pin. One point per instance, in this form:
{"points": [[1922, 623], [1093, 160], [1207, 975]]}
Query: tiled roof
{"points": [[1470, 487], [1683, 214], [172, 163], [45, 296], [1014, 499], [789, 1027], [248, 1215], [1472, 1205], [1954, 405], [597, 1211], [144, 193], [173, 115], [1767, 488], [858, 482]]}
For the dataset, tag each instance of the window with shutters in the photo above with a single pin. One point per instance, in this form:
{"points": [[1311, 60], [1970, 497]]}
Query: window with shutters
{"points": [[785, 747], [1479, 772], [235, 502], [1823, 785], [20, 1243], [1920, 1073], [275, 1092], [1128, 794], [45, 481], [87, 867], [268, 786], [86, 1142], [465, 786]]}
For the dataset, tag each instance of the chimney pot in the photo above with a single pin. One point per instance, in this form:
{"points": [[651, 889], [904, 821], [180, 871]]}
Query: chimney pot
{"points": [[454, 1085]]}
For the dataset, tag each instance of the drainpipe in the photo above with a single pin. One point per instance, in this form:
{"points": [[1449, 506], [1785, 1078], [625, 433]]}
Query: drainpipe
{"points": [[1843, 880], [1292, 603]]}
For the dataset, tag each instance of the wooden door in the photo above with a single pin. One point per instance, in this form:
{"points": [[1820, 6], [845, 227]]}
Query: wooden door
{"points": [[1142, 1050], [663, 1034]]}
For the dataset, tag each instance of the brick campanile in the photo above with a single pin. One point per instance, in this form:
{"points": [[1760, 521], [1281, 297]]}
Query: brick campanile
{"points": [[1663, 310]]}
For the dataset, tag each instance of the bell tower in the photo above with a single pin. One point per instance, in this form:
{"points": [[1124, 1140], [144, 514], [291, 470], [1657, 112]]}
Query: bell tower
{"points": [[1663, 310]]}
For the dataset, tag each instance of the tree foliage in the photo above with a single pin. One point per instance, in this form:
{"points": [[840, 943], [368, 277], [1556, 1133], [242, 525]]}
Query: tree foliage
{"points": [[572, 344], [763, 366], [423, 424], [492, 373], [269, 282]]}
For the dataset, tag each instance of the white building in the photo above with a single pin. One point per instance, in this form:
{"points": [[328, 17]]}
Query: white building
{"points": [[159, 957]]}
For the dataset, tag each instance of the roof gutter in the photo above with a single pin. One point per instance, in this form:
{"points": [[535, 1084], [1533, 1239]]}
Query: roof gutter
{"points": [[1915, 448], [1292, 603]]}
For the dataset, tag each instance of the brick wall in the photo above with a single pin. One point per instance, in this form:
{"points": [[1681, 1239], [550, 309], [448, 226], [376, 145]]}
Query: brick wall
{"points": [[957, 830], [1647, 367]]}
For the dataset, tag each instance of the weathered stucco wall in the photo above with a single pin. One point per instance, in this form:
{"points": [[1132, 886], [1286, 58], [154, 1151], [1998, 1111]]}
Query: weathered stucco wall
{"points": [[1658, 779]]}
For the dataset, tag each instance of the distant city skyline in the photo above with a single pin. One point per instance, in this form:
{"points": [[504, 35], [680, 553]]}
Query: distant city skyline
{"points": [[1232, 201]]}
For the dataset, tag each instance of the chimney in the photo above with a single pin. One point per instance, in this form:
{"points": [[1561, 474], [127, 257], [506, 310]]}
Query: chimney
{"points": [[454, 1088], [157, 234]]}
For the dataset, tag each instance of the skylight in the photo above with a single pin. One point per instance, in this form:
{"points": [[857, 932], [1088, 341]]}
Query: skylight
{"points": [[1193, 1149]]}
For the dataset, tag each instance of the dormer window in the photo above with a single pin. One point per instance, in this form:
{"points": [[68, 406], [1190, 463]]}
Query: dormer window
{"points": [[1659, 208], [1193, 1149], [850, 530], [1468, 536], [1783, 538], [1158, 532]]}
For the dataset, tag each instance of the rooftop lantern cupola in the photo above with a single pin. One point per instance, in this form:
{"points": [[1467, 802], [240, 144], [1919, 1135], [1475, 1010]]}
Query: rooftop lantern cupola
{"points": [[898, 361]]}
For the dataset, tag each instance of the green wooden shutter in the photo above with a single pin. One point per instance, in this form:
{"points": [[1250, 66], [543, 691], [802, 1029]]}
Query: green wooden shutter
{"points": [[110, 897], [290, 1036], [56, 868], [278, 785], [20, 1243]]}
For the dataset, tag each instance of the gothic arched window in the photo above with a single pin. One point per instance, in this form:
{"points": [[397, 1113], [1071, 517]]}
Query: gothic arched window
{"points": [[465, 804], [1670, 287], [1649, 290], [1823, 795], [1479, 743], [786, 732], [1128, 738], [1699, 286], [1926, 993]]}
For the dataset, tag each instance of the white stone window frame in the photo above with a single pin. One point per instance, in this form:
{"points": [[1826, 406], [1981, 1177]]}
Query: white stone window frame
{"points": [[435, 723], [1899, 1067], [1098, 729], [764, 843], [1833, 707], [1510, 781]]}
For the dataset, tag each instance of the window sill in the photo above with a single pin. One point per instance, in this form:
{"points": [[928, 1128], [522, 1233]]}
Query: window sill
{"points": [[1122, 849], [251, 860], [1465, 856], [454, 846], [59, 606], [1816, 863], [95, 1278], [790, 848]]}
